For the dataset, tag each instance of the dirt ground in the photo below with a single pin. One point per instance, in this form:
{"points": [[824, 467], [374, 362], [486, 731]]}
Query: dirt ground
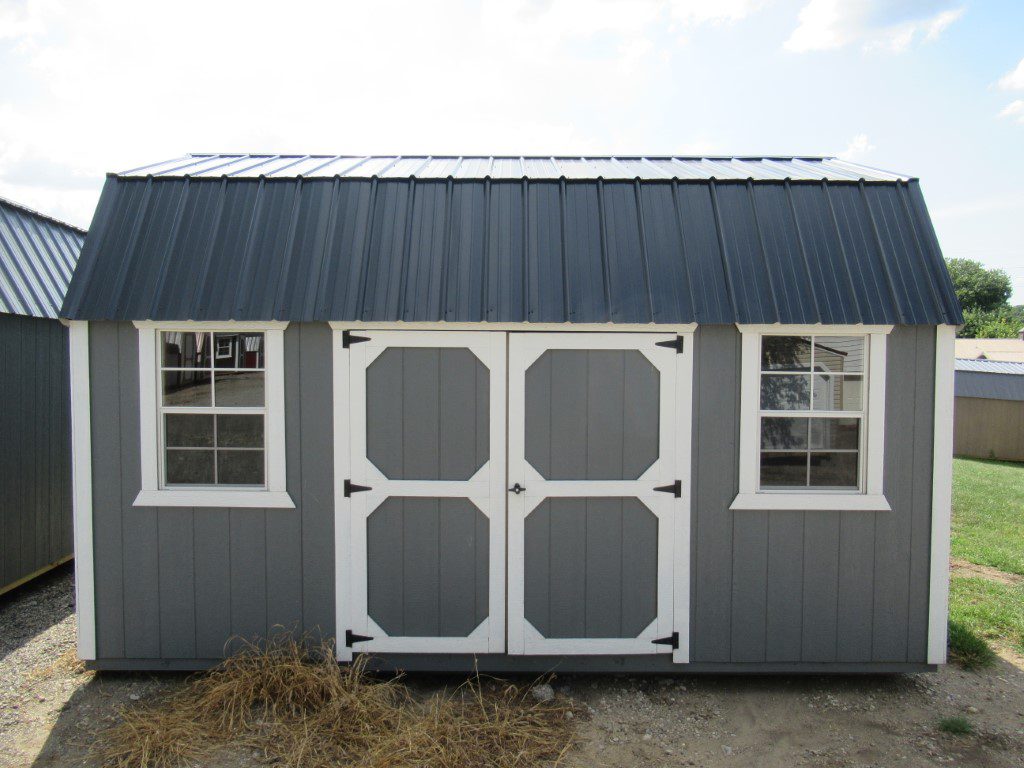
{"points": [[49, 708]]}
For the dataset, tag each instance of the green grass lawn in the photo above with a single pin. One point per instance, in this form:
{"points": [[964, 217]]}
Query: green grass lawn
{"points": [[988, 513], [989, 609]]}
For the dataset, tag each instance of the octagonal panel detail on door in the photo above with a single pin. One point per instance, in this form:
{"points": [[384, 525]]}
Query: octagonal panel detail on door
{"points": [[428, 566], [592, 414], [591, 567], [427, 413]]}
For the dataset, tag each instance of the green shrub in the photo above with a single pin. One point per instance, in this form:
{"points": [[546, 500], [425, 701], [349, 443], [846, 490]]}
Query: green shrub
{"points": [[958, 726]]}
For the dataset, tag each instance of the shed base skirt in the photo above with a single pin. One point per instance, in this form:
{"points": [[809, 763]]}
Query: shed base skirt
{"points": [[501, 664]]}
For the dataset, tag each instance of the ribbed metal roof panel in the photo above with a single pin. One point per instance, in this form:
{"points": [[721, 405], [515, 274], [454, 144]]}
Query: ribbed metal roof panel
{"points": [[491, 250], [37, 257], [516, 167], [990, 366]]}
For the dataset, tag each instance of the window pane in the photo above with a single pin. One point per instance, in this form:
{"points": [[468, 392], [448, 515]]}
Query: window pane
{"points": [[783, 470], [835, 433], [186, 430], [834, 470], [187, 388], [784, 433], [839, 353], [238, 350], [185, 350], [189, 467], [785, 392], [837, 393], [239, 389], [239, 431], [785, 353], [240, 467]]}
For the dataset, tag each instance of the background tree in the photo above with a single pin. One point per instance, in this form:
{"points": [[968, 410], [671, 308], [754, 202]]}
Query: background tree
{"points": [[984, 295]]}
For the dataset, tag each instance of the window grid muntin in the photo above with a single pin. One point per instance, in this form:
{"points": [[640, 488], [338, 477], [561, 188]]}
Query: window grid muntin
{"points": [[810, 413], [212, 369]]}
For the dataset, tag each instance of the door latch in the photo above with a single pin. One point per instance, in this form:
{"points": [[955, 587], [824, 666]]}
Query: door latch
{"points": [[517, 489]]}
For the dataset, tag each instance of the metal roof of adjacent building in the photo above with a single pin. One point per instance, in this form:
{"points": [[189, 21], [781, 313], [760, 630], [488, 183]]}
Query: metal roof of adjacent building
{"points": [[645, 168], [485, 249], [37, 257], [1007, 350], [989, 379]]}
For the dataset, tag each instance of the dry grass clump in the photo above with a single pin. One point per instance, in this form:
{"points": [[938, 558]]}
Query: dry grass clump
{"points": [[298, 707], [67, 663]]}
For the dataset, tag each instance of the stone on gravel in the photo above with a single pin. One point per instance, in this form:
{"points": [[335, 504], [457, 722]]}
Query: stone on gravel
{"points": [[542, 692]]}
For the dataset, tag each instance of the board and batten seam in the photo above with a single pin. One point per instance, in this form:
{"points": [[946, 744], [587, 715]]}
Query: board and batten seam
{"points": [[942, 495]]}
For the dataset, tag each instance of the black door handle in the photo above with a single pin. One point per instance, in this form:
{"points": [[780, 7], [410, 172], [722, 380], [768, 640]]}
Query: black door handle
{"points": [[517, 489]]}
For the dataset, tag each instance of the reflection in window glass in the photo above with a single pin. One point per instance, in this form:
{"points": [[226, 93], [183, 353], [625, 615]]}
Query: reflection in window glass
{"points": [[213, 402], [808, 447]]}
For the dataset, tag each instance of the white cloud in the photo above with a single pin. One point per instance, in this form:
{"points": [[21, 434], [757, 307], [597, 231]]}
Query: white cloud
{"points": [[1013, 80], [1015, 110], [858, 148], [714, 11], [872, 24]]}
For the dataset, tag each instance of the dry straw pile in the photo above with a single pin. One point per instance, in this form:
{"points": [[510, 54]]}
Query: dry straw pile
{"points": [[296, 707]]}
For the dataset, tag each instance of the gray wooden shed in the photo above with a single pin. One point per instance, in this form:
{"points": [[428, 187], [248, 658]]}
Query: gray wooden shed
{"points": [[37, 256], [619, 413]]}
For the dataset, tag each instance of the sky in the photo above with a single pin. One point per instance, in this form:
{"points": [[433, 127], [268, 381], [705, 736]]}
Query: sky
{"points": [[931, 89]]}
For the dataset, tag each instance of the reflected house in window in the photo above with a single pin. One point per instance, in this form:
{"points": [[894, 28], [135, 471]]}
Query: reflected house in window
{"points": [[634, 414]]}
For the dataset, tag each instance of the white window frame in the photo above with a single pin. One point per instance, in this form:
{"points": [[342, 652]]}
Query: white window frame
{"points": [[274, 494], [869, 496]]}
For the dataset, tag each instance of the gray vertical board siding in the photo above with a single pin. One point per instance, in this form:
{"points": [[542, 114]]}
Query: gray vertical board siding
{"points": [[427, 413], [179, 583], [424, 566], [715, 480], [35, 447], [591, 414], [591, 567], [825, 586]]}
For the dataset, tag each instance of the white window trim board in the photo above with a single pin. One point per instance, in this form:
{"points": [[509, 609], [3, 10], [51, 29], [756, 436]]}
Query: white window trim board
{"points": [[81, 479], [942, 495], [275, 495], [872, 498]]}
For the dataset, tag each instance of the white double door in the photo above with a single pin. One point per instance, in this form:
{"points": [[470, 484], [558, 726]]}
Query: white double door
{"points": [[520, 493]]}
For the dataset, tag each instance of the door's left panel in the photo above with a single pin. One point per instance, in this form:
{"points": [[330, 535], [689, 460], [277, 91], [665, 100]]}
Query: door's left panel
{"points": [[420, 495]]}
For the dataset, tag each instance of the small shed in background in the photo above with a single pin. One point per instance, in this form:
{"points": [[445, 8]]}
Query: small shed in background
{"points": [[989, 409], [37, 256]]}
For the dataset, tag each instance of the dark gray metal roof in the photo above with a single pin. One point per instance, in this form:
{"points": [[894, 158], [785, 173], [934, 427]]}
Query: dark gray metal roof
{"points": [[989, 379], [37, 256], [645, 168], [525, 250]]}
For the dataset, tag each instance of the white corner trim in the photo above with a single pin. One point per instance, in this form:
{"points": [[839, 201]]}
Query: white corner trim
{"points": [[811, 329], [81, 478], [942, 495], [214, 497], [682, 561], [275, 495], [211, 325], [811, 502], [872, 499]]}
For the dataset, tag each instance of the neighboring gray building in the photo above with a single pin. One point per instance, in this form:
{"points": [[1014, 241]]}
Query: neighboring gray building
{"points": [[989, 409], [37, 257], [649, 414]]}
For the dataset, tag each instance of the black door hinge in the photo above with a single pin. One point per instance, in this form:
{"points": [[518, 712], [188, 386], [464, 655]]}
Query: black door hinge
{"points": [[676, 344], [676, 489], [672, 640], [351, 488], [351, 638], [348, 339]]}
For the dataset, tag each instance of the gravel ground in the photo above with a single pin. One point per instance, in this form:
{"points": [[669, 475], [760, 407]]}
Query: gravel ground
{"points": [[50, 706]]}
